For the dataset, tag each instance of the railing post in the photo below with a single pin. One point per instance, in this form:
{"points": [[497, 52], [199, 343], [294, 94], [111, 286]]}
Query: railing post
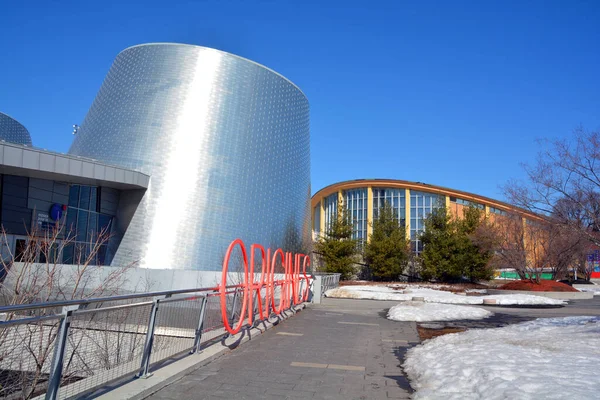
{"points": [[59, 353], [255, 303], [149, 341], [317, 289], [235, 296], [198, 336]]}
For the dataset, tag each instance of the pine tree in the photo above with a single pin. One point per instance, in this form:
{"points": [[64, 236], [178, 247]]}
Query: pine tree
{"points": [[439, 247], [457, 248], [475, 244], [337, 249], [387, 251]]}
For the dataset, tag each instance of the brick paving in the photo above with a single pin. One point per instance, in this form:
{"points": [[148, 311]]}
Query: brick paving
{"points": [[342, 349]]}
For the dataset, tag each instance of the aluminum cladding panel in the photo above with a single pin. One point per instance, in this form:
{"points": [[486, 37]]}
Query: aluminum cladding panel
{"points": [[226, 143], [12, 131]]}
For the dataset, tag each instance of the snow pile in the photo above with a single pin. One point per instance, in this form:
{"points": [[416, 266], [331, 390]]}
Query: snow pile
{"points": [[421, 312], [588, 288], [435, 296], [478, 291], [554, 358]]}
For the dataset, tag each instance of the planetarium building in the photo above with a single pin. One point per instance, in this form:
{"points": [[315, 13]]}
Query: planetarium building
{"points": [[12, 131], [225, 142], [183, 150]]}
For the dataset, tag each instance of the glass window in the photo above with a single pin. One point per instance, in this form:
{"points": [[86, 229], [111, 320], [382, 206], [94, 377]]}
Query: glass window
{"points": [[71, 221], [101, 255], [68, 254], [355, 201], [395, 197], [82, 225], [331, 204], [94, 199], [85, 222], [20, 249], [421, 205], [74, 196], [84, 197], [317, 218], [80, 252], [49, 255], [469, 203], [104, 222], [92, 227]]}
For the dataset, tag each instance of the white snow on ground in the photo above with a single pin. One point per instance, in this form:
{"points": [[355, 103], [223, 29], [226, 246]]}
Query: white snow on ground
{"points": [[421, 312], [588, 288], [480, 291], [435, 296], [555, 358]]}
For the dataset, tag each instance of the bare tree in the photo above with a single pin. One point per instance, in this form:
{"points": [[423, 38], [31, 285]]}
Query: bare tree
{"points": [[36, 275], [510, 244], [564, 184]]}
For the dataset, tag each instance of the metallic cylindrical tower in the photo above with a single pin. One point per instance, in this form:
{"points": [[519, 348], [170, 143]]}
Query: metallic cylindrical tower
{"points": [[12, 131], [225, 141]]}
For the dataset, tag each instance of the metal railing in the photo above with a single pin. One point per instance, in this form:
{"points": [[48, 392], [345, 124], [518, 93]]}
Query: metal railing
{"points": [[323, 282], [65, 349], [329, 280]]}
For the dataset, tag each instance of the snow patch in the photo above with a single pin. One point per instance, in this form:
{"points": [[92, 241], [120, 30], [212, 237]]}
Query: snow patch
{"points": [[595, 289], [478, 291], [422, 312], [554, 358], [435, 296]]}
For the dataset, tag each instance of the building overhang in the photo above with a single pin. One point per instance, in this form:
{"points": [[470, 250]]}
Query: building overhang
{"points": [[36, 163]]}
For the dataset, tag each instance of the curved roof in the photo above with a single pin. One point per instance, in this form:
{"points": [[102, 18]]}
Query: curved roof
{"points": [[420, 186], [13, 131], [219, 51]]}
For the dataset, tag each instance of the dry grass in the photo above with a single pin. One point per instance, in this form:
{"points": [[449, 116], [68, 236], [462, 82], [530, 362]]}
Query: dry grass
{"points": [[428, 333]]}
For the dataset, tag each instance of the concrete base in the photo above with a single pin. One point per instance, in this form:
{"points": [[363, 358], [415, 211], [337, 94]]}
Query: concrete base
{"points": [[552, 295]]}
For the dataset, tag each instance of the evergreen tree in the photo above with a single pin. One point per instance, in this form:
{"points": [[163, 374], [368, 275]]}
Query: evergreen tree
{"points": [[476, 244], [439, 247], [337, 248], [387, 251], [456, 248]]}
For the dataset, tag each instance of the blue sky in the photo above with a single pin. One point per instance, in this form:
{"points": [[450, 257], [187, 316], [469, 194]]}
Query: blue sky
{"points": [[453, 93]]}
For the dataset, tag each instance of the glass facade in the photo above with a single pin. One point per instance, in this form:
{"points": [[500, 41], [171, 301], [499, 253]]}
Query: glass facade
{"points": [[394, 197], [421, 205], [12, 131], [317, 220], [498, 211], [466, 203], [331, 208], [414, 209], [355, 201], [86, 224], [226, 143]]}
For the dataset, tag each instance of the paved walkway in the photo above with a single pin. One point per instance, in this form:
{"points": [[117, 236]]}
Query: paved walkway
{"points": [[342, 349]]}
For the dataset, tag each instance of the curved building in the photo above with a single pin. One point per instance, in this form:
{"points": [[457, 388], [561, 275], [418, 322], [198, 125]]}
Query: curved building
{"points": [[412, 202], [225, 142], [12, 131]]}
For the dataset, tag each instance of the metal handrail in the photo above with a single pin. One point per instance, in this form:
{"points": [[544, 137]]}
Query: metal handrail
{"points": [[66, 303], [62, 313]]}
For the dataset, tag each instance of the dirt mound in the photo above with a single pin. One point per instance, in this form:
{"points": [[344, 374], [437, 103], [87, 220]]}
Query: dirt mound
{"points": [[543, 286]]}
